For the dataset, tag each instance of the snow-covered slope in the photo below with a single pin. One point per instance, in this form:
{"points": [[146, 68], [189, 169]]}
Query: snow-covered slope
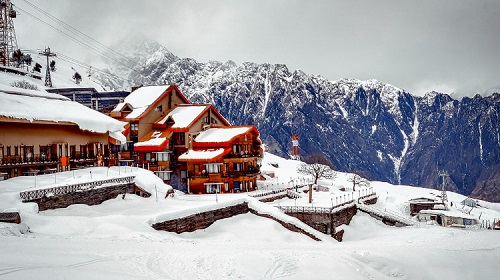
{"points": [[115, 241]]}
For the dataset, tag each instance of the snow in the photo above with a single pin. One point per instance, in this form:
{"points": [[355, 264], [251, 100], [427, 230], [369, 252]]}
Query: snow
{"points": [[202, 154], [114, 240], [184, 115], [220, 134], [44, 107], [151, 142]]}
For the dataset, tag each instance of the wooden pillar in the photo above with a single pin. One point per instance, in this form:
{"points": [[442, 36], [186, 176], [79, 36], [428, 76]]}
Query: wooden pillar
{"points": [[310, 193]]}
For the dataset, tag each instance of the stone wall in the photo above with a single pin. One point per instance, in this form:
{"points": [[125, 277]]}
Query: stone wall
{"points": [[90, 197], [205, 219], [369, 201], [10, 217], [326, 222], [343, 216], [201, 220]]}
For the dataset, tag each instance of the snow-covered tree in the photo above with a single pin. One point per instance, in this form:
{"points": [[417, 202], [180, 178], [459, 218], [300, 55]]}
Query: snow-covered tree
{"points": [[317, 171], [357, 180]]}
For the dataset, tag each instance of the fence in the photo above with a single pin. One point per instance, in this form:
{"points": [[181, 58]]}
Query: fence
{"points": [[39, 193], [308, 209]]}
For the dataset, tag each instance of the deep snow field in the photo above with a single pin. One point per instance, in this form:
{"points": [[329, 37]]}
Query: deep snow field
{"points": [[114, 240]]}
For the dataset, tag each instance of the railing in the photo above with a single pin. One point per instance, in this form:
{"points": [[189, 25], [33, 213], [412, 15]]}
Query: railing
{"points": [[308, 209], [39, 193], [268, 193], [36, 159], [384, 213]]}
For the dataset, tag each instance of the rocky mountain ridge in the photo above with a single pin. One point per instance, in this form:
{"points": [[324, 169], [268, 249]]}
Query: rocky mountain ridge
{"points": [[369, 127]]}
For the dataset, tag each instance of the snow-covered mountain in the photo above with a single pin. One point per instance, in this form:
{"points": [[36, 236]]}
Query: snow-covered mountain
{"points": [[369, 127]]}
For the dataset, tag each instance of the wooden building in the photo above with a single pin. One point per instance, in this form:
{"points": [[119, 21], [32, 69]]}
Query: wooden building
{"points": [[163, 126], [45, 133], [224, 160], [423, 203]]}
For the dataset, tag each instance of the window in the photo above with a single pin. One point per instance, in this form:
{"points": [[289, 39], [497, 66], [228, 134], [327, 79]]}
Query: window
{"points": [[226, 187], [236, 148], [164, 175], [181, 138], [213, 188], [237, 166], [162, 156], [213, 167], [134, 126], [197, 169], [213, 121], [147, 156], [204, 120], [8, 151], [16, 150], [158, 108]]}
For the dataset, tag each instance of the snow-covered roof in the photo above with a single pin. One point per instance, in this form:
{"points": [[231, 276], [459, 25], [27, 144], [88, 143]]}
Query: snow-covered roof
{"points": [[184, 115], [153, 141], [221, 134], [448, 213], [32, 106], [141, 99], [203, 154]]}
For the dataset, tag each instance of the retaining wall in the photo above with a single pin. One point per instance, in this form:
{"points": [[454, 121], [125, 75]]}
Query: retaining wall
{"points": [[89, 197], [205, 219], [10, 217]]}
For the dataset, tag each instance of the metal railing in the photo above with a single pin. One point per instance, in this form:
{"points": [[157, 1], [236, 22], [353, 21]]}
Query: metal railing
{"points": [[309, 209], [60, 190]]}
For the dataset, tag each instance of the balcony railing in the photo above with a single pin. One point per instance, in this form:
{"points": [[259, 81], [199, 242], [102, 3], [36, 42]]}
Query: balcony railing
{"points": [[36, 159]]}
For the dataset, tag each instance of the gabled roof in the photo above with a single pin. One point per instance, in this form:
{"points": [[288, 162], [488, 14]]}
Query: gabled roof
{"points": [[185, 115], [221, 136], [145, 98]]}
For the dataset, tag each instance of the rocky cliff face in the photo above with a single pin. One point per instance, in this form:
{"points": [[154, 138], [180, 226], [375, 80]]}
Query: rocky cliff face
{"points": [[369, 127]]}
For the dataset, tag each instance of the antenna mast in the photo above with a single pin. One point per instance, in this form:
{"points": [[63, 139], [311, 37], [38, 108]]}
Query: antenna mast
{"points": [[8, 41]]}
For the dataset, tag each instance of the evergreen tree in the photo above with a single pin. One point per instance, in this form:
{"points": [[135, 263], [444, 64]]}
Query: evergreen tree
{"points": [[77, 77], [37, 67], [53, 66]]}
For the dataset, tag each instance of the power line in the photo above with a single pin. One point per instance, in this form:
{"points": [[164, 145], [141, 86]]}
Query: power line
{"points": [[77, 40], [71, 60], [77, 31]]}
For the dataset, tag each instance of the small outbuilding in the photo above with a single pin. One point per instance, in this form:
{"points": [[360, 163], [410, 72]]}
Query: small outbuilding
{"points": [[447, 218], [423, 203], [469, 202]]}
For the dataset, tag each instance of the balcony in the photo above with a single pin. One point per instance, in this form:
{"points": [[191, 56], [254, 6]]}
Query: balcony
{"points": [[36, 159]]}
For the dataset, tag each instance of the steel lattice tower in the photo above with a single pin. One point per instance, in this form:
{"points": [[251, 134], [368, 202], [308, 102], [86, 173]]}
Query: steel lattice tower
{"points": [[295, 147], [8, 42]]}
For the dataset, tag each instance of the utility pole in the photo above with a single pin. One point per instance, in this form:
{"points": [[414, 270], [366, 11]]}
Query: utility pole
{"points": [[47, 53], [8, 42]]}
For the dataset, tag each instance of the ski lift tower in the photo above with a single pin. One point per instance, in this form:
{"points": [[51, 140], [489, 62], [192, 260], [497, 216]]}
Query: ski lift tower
{"points": [[444, 196], [8, 42], [295, 147]]}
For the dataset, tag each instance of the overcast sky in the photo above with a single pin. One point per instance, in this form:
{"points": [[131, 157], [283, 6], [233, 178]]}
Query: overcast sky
{"points": [[447, 46]]}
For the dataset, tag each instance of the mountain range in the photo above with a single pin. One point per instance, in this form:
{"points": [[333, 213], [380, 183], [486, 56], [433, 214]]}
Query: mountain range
{"points": [[370, 127]]}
